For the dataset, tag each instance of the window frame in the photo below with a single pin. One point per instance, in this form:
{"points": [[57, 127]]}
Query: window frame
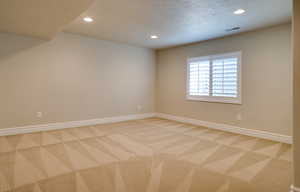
{"points": [[216, 99]]}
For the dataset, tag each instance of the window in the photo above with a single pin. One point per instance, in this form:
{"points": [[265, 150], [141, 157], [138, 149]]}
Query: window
{"points": [[215, 78]]}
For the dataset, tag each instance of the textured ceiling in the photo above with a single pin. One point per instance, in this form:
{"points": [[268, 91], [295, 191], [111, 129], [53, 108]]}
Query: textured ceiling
{"points": [[176, 21], [39, 18]]}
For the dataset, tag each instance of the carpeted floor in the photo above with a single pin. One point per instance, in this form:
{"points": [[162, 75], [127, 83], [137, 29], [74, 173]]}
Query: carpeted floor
{"points": [[151, 155]]}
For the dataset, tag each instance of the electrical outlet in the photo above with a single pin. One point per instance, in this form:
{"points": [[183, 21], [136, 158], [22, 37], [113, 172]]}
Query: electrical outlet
{"points": [[39, 114], [239, 117], [139, 108]]}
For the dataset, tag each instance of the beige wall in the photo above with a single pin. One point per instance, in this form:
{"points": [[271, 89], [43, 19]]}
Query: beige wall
{"points": [[266, 81], [72, 78], [296, 60]]}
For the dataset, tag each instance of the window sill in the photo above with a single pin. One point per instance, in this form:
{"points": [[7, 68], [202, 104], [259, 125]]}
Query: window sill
{"points": [[225, 100]]}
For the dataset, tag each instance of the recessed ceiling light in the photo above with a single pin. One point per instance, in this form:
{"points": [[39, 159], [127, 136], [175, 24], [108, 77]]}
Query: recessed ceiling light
{"points": [[239, 11], [88, 19], [154, 37]]}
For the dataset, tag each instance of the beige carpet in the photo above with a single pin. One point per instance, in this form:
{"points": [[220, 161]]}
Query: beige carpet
{"points": [[151, 155]]}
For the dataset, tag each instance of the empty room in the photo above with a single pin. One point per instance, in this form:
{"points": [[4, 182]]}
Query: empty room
{"points": [[150, 96]]}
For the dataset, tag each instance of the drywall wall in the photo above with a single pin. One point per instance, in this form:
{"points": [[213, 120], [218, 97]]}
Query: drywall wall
{"points": [[72, 78], [296, 92], [266, 81]]}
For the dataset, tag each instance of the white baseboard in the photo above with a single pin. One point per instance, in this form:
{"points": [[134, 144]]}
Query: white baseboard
{"points": [[71, 124], [229, 128], [294, 189]]}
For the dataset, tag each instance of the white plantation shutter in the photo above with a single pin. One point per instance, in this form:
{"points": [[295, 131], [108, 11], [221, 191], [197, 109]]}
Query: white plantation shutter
{"points": [[199, 78], [224, 77], [215, 78]]}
